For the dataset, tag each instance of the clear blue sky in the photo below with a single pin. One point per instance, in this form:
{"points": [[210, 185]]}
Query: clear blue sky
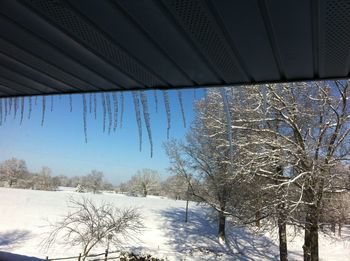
{"points": [[60, 144]]}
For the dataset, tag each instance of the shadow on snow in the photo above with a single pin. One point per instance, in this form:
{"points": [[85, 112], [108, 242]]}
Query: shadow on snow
{"points": [[10, 239], [199, 235]]}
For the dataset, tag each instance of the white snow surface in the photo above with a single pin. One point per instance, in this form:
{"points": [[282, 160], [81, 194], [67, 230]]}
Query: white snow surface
{"points": [[24, 216]]}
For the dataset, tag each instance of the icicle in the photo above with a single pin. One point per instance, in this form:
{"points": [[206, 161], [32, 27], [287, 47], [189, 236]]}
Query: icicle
{"points": [[121, 109], [30, 107], [15, 107], [10, 105], [115, 111], [51, 109], [36, 100], [167, 110], [6, 102], [84, 117], [90, 103], [0, 111], [103, 99], [147, 118], [43, 106], [228, 119], [22, 109], [194, 93], [70, 102], [110, 117], [179, 95], [156, 99], [138, 116], [95, 105]]}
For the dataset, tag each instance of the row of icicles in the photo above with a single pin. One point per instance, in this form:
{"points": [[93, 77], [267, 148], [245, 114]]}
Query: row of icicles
{"points": [[112, 103]]}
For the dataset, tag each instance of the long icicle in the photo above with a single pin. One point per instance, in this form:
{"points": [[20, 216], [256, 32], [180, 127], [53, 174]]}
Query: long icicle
{"points": [[10, 105], [109, 108], [51, 109], [22, 109], [228, 119], [15, 107], [115, 111], [30, 107], [95, 106], [36, 100], [138, 116], [0, 111], [167, 111], [6, 111], [121, 110], [43, 106], [70, 102], [84, 117], [179, 95], [147, 118], [90, 103], [155, 94], [103, 99]]}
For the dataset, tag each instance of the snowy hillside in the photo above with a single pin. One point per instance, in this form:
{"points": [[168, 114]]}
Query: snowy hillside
{"points": [[25, 215]]}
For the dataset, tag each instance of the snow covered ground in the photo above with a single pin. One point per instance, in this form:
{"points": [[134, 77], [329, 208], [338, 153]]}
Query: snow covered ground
{"points": [[24, 215]]}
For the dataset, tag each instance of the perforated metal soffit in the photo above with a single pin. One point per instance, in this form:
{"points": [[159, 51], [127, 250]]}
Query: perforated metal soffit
{"points": [[58, 46]]}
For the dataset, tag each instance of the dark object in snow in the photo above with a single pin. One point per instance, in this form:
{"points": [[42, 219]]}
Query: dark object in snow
{"points": [[138, 257]]}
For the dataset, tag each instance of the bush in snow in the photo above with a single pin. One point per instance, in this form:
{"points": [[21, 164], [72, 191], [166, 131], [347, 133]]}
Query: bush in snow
{"points": [[89, 225]]}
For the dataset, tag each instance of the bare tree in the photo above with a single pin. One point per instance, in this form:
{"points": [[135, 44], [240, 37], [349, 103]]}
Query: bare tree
{"points": [[175, 187], [13, 169], [312, 137], [204, 160], [44, 180], [93, 181], [89, 225], [146, 181]]}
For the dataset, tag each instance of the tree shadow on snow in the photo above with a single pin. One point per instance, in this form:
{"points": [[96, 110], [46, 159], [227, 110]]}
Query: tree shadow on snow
{"points": [[199, 235], [11, 239]]}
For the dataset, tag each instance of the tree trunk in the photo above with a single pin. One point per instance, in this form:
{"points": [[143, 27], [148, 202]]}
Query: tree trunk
{"points": [[307, 242], [257, 219], [282, 233], [222, 223], [186, 217], [339, 229], [314, 240], [311, 235], [333, 227], [187, 200]]}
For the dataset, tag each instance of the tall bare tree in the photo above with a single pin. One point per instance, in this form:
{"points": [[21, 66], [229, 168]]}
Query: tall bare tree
{"points": [[312, 137]]}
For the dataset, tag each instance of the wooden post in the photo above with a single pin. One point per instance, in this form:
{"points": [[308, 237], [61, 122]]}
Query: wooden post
{"points": [[47, 258], [106, 254], [79, 257]]}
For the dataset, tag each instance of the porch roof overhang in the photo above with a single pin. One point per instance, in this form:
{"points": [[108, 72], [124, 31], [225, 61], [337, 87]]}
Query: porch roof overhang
{"points": [[61, 46]]}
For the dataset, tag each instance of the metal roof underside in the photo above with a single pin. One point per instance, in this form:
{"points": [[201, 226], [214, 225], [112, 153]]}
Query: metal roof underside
{"points": [[57, 46]]}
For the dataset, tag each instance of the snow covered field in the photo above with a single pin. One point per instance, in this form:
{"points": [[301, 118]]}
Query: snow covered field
{"points": [[24, 215]]}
